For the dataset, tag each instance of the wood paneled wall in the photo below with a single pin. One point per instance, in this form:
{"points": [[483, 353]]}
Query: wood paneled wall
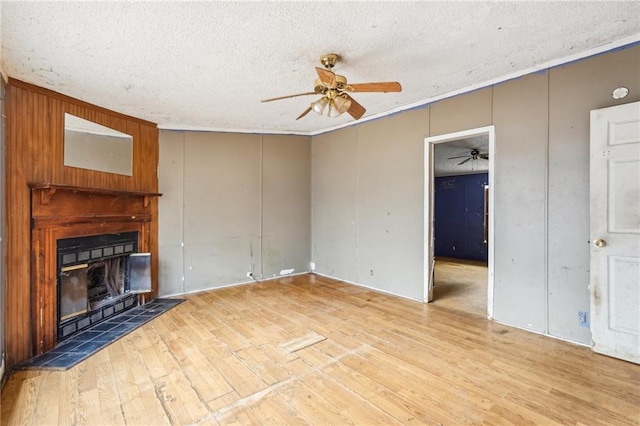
{"points": [[34, 154]]}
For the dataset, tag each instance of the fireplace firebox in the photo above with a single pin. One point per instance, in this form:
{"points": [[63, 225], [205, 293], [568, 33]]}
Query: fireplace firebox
{"points": [[98, 277]]}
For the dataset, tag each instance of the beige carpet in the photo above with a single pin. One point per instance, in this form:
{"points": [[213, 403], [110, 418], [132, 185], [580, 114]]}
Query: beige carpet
{"points": [[461, 285]]}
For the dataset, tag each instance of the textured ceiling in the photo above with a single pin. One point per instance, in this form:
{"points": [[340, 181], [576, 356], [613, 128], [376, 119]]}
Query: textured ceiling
{"points": [[206, 65], [444, 165]]}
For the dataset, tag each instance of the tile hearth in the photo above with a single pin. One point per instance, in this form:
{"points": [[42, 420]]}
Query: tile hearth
{"points": [[84, 344]]}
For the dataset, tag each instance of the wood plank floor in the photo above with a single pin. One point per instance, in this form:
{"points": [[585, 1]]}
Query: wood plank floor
{"points": [[311, 350], [461, 285]]}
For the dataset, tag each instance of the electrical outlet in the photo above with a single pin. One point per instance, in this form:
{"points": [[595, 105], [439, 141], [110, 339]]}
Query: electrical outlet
{"points": [[583, 318], [371, 272]]}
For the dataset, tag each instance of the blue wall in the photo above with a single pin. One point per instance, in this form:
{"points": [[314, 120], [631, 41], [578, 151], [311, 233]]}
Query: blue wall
{"points": [[459, 217]]}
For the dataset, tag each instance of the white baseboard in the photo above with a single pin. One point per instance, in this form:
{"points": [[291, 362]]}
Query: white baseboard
{"points": [[389, 293], [277, 277], [417, 300], [542, 334], [257, 280]]}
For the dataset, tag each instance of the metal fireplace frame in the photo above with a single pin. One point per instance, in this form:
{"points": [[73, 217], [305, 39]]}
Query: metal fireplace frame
{"points": [[73, 252]]}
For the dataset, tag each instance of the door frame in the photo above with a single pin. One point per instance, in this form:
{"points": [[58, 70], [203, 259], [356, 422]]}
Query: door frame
{"points": [[429, 179]]}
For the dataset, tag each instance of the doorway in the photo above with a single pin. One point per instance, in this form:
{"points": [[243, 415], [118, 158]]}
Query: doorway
{"points": [[465, 260]]}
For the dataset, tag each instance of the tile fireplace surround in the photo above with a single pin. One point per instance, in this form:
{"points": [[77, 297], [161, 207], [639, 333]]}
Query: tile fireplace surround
{"points": [[86, 343]]}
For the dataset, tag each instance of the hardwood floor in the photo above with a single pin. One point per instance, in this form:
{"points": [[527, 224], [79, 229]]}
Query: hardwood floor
{"points": [[461, 285], [308, 349]]}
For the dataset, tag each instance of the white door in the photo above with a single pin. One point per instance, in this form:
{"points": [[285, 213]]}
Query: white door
{"points": [[615, 231]]}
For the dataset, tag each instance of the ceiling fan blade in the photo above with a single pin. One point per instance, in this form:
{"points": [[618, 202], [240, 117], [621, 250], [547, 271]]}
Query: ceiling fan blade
{"points": [[288, 96], [459, 156], [385, 87], [306, 111], [464, 161], [355, 110], [484, 156], [327, 77]]}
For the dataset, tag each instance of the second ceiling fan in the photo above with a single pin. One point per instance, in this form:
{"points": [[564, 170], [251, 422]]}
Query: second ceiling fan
{"points": [[336, 91], [473, 155]]}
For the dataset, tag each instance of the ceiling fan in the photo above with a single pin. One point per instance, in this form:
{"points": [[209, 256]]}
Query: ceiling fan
{"points": [[473, 155], [335, 91]]}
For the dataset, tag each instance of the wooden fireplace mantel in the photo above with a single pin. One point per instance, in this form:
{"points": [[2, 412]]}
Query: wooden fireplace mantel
{"points": [[64, 211], [63, 205], [48, 190]]}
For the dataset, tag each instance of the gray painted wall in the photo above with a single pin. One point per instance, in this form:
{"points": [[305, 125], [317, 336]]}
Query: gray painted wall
{"points": [[231, 203], [286, 204], [236, 200], [520, 118], [334, 203], [569, 174], [367, 197], [367, 179], [171, 213]]}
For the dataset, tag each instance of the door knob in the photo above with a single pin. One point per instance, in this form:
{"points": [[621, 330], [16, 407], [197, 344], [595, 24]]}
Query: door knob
{"points": [[599, 242]]}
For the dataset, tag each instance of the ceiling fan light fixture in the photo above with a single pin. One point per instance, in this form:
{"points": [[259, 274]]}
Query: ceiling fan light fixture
{"points": [[319, 105], [333, 110], [334, 87], [342, 104]]}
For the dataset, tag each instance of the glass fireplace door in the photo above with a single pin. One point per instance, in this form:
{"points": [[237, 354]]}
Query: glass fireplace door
{"points": [[73, 291]]}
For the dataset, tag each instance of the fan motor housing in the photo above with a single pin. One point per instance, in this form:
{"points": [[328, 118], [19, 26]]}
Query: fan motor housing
{"points": [[341, 81], [321, 87]]}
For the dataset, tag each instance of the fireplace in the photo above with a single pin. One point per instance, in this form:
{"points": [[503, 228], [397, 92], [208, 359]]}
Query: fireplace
{"points": [[98, 277], [90, 258]]}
